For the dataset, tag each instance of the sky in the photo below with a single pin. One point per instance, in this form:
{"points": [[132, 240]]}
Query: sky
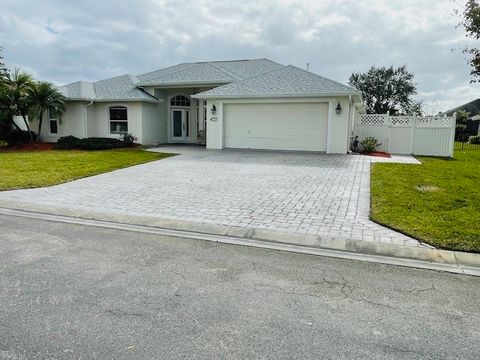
{"points": [[67, 41]]}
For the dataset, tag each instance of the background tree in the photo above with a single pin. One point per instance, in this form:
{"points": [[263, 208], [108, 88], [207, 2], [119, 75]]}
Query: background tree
{"points": [[45, 97], [3, 68], [387, 89], [471, 23]]}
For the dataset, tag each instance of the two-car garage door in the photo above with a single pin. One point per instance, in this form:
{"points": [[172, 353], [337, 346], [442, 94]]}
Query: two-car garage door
{"points": [[276, 126]]}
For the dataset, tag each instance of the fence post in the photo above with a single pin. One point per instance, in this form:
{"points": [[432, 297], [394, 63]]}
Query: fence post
{"points": [[454, 125], [387, 132], [412, 137]]}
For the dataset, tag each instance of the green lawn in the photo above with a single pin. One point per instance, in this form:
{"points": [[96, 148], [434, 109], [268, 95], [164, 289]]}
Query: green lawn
{"points": [[20, 170], [437, 202]]}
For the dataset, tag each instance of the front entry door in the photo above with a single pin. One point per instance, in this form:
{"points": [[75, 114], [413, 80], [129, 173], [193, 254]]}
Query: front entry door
{"points": [[179, 124]]}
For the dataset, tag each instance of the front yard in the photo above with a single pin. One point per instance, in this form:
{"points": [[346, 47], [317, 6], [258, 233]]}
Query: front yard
{"points": [[20, 170], [437, 202]]}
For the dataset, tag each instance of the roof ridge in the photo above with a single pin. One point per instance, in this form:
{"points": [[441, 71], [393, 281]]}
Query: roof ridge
{"points": [[114, 77], [228, 72], [224, 61], [321, 77], [180, 71], [253, 77], [93, 88], [168, 67], [77, 82]]}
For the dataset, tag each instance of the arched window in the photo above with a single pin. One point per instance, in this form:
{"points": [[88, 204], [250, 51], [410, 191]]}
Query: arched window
{"points": [[180, 100], [118, 120]]}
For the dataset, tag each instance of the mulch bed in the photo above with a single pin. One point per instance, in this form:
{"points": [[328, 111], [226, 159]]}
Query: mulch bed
{"points": [[379, 154], [34, 146]]}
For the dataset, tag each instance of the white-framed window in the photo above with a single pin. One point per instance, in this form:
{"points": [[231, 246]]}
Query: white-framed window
{"points": [[52, 122], [180, 100], [118, 119]]}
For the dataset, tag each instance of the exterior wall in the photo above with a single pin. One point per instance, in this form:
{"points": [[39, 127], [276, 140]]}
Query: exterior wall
{"points": [[154, 126], [338, 133], [90, 113], [84, 119], [72, 122], [100, 126], [215, 125]]}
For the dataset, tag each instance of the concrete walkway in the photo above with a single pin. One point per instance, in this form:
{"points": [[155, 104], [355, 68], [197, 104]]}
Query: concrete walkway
{"points": [[326, 196]]}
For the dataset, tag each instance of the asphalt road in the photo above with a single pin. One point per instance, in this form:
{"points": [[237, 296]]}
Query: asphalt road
{"points": [[78, 292]]}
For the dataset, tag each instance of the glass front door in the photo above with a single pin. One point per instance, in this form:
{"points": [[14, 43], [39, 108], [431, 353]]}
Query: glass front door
{"points": [[179, 124]]}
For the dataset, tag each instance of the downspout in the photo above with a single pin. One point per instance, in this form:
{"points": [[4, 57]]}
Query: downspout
{"points": [[86, 117]]}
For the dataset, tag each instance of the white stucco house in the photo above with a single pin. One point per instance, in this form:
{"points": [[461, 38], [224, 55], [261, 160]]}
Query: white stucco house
{"points": [[257, 104]]}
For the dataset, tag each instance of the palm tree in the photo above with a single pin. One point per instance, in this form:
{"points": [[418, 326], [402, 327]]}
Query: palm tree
{"points": [[45, 97], [14, 96]]}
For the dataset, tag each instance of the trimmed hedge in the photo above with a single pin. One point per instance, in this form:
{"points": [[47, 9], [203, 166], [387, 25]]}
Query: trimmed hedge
{"points": [[93, 143]]}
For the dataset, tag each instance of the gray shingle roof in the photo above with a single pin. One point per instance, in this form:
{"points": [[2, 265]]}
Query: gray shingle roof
{"points": [[198, 73], [249, 68], [80, 90], [122, 87], [239, 78], [284, 82], [165, 71], [209, 72]]}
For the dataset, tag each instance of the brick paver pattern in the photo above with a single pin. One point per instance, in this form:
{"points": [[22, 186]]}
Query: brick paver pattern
{"points": [[323, 195]]}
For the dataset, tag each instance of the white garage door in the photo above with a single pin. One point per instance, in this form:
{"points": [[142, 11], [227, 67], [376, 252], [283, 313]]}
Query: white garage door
{"points": [[276, 126]]}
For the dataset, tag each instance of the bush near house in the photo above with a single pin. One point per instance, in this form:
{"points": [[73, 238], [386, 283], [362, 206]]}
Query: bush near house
{"points": [[437, 202], [93, 143], [16, 137], [369, 144]]}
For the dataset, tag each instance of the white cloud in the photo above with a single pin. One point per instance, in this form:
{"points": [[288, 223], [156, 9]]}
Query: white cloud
{"points": [[68, 41]]}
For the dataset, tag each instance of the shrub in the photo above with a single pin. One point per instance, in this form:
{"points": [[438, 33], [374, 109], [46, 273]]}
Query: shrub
{"points": [[369, 144], [129, 139], [67, 143], [93, 143], [474, 139], [17, 137]]}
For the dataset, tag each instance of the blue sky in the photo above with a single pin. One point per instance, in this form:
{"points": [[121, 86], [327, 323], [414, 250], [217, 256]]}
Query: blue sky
{"points": [[66, 41]]}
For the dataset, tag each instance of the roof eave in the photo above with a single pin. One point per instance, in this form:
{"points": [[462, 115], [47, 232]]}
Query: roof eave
{"points": [[269, 96], [184, 83], [114, 100], [129, 100]]}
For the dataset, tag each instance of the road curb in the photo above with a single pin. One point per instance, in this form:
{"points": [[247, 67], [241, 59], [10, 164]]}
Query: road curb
{"points": [[427, 258]]}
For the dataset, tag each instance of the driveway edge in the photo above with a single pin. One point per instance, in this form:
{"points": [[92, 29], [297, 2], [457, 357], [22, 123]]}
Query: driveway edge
{"points": [[419, 257]]}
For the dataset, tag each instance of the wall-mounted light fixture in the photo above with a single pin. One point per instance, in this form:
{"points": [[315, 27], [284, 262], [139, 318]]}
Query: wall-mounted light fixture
{"points": [[338, 109], [214, 110]]}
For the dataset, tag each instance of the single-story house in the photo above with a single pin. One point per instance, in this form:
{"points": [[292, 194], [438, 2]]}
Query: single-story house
{"points": [[257, 104]]}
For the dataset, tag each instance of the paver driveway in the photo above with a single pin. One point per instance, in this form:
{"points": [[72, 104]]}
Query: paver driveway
{"points": [[324, 195]]}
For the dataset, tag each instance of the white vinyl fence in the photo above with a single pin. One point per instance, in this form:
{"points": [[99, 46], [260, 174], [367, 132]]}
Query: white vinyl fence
{"points": [[429, 136]]}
